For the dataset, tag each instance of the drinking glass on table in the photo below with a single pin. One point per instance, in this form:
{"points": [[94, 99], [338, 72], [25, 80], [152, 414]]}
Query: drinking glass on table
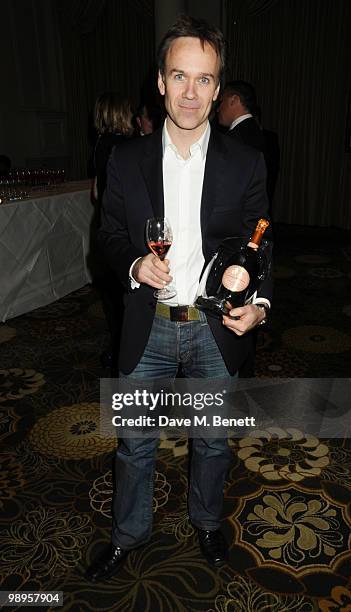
{"points": [[159, 239]]}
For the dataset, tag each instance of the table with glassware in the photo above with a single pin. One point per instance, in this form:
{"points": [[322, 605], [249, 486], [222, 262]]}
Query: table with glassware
{"points": [[44, 246]]}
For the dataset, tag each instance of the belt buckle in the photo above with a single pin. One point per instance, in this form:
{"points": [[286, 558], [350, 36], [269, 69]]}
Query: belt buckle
{"points": [[179, 313]]}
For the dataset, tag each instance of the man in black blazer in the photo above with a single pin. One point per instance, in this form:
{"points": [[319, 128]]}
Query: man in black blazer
{"points": [[210, 188], [237, 112]]}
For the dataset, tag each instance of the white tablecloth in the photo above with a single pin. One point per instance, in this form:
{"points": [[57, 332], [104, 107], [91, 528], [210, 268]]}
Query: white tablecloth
{"points": [[44, 244]]}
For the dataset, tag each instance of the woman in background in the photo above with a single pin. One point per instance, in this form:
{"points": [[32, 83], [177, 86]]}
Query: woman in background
{"points": [[113, 123]]}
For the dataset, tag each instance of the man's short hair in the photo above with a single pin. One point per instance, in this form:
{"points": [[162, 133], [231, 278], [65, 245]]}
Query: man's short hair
{"points": [[153, 111], [194, 28], [246, 93]]}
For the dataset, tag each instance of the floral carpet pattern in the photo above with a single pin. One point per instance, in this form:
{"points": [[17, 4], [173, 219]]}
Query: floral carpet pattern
{"points": [[287, 507]]}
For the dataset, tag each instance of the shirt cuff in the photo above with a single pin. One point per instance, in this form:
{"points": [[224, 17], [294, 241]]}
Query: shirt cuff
{"points": [[263, 301], [260, 300], [133, 283]]}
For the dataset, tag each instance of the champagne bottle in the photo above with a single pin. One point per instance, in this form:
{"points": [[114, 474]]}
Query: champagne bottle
{"points": [[236, 273], [242, 277]]}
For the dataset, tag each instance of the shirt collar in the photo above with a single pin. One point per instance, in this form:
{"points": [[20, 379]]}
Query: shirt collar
{"points": [[201, 144], [239, 120]]}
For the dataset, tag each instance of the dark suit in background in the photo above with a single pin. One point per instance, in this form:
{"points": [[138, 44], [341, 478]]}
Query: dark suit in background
{"points": [[108, 284], [248, 132], [239, 100], [103, 149]]}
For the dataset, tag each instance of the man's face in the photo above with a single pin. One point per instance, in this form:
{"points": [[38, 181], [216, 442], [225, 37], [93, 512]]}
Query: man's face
{"points": [[190, 83], [225, 109], [146, 122]]}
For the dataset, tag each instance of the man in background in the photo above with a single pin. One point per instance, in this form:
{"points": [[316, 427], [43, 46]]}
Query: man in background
{"points": [[148, 118], [237, 112]]}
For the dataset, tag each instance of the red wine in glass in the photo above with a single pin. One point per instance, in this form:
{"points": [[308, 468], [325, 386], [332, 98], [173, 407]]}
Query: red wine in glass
{"points": [[159, 248], [159, 239]]}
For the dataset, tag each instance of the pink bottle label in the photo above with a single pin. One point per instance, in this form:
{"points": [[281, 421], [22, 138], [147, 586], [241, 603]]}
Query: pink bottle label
{"points": [[235, 278]]}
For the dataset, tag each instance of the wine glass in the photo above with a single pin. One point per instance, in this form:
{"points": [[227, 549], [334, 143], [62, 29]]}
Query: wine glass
{"points": [[159, 239]]}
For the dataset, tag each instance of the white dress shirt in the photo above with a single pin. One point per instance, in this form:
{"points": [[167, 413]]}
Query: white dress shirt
{"points": [[239, 120], [182, 187], [182, 190]]}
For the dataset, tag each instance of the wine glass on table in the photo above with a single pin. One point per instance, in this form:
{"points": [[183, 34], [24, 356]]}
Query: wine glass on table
{"points": [[159, 239]]}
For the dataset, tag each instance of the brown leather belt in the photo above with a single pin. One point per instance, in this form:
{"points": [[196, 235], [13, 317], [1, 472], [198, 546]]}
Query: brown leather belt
{"points": [[178, 313]]}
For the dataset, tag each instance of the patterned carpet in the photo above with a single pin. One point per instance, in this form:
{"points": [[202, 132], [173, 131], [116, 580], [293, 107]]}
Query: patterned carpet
{"points": [[287, 512]]}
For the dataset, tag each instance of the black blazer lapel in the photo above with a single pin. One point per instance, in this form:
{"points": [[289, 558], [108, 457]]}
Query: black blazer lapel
{"points": [[212, 185], [151, 167]]}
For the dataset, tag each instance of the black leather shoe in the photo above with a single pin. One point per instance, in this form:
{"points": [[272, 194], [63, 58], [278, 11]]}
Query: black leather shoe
{"points": [[213, 546], [107, 565]]}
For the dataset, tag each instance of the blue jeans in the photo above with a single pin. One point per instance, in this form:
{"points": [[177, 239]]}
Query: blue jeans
{"points": [[171, 343]]}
